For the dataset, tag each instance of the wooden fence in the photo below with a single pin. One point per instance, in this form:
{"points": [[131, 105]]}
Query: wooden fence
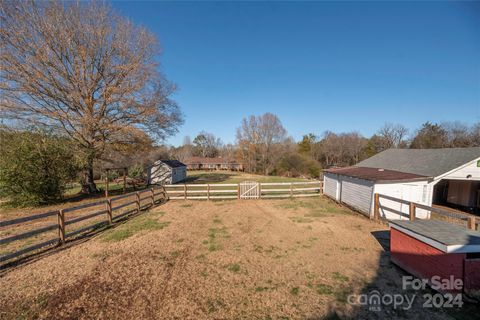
{"points": [[246, 190], [113, 205], [470, 220]]}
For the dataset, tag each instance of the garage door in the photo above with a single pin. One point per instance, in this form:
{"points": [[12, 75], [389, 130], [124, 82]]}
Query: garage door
{"points": [[330, 185], [357, 193]]}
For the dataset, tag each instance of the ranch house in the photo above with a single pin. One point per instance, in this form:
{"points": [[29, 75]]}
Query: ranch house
{"points": [[434, 177], [203, 163], [167, 172]]}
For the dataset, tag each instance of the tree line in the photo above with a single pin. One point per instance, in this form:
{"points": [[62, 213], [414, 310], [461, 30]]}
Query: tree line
{"points": [[264, 146], [81, 91]]}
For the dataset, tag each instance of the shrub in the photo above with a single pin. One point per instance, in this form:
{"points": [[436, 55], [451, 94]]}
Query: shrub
{"points": [[136, 171], [294, 165], [34, 166]]}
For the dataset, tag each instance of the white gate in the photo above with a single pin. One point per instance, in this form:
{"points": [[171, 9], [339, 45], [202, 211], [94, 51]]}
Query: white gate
{"points": [[249, 190]]}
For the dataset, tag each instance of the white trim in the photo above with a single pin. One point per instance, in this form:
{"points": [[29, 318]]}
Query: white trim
{"points": [[457, 248], [456, 169]]}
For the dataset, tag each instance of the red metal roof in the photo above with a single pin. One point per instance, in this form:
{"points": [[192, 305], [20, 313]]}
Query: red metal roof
{"points": [[375, 174]]}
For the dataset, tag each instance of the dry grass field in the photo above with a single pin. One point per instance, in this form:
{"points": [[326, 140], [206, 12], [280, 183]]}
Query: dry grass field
{"points": [[259, 259]]}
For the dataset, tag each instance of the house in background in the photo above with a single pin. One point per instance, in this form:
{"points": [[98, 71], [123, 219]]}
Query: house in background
{"points": [[447, 177], [203, 163], [167, 172]]}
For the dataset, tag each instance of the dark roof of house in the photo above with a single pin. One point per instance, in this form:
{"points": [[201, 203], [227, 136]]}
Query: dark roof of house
{"points": [[173, 163], [426, 162], [375, 174], [204, 160]]}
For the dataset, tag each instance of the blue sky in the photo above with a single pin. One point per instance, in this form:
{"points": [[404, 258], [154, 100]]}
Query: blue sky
{"points": [[339, 66]]}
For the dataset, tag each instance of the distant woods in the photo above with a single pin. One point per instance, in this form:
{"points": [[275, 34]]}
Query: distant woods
{"points": [[263, 145]]}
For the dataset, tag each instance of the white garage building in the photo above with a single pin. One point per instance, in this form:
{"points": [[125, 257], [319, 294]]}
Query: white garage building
{"points": [[447, 177]]}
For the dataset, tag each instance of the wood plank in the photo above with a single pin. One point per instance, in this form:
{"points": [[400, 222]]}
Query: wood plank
{"points": [[29, 234], [29, 218], [88, 216], [61, 226], [84, 206], [376, 207], [123, 205]]}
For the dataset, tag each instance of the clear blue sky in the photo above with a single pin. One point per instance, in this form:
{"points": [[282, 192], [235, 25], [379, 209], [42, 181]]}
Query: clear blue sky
{"points": [[338, 66]]}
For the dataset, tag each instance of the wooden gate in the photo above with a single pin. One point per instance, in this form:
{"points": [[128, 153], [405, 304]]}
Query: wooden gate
{"points": [[249, 190]]}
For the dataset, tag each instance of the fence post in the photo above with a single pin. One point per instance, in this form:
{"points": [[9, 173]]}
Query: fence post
{"points": [[109, 211], [320, 191], [165, 194], [412, 211], [208, 191], [291, 189], [138, 201], [124, 180], [185, 191], [238, 191], [153, 196], [471, 223], [61, 226], [259, 190], [376, 207], [106, 186]]}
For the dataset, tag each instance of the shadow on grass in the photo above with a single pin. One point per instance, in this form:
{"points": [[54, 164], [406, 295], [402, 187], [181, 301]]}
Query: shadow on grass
{"points": [[209, 177], [87, 233]]}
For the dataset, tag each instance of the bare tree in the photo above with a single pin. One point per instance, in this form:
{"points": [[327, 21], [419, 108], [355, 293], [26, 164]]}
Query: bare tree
{"points": [[392, 134], [475, 134], [81, 67], [259, 136], [459, 134], [207, 145]]}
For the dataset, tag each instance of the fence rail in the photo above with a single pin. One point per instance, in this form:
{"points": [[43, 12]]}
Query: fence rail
{"points": [[63, 219], [224, 190], [470, 220]]}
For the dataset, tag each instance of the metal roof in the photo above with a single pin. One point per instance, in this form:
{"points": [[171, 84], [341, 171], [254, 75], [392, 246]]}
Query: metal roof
{"points": [[375, 174], [426, 162], [173, 163], [441, 231]]}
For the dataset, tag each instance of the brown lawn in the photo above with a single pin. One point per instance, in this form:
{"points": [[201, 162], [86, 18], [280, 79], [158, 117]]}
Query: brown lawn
{"points": [[261, 259]]}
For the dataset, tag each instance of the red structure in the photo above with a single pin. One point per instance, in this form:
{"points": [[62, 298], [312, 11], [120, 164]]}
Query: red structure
{"points": [[429, 248]]}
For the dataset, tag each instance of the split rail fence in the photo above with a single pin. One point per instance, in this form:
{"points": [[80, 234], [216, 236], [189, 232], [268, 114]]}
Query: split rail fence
{"points": [[470, 220], [244, 190], [113, 209]]}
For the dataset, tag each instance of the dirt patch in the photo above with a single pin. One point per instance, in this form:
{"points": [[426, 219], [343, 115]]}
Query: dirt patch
{"points": [[234, 259]]}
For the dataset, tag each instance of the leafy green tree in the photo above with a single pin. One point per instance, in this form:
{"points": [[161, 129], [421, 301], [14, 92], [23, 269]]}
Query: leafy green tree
{"points": [[136, 171], [35, 166], [295, 165], [306, 145], [430, 136]]}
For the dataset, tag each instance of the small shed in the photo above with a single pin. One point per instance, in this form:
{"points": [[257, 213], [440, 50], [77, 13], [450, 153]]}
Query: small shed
{"points": [[433, 248], [356, 186], [167, 172]]}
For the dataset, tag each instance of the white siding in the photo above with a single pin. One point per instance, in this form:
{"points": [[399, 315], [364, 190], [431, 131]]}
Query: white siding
{"points": [[179, 174], [330, 182], [357, 193], [470, 170], [162, 173], [418, 192]]}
